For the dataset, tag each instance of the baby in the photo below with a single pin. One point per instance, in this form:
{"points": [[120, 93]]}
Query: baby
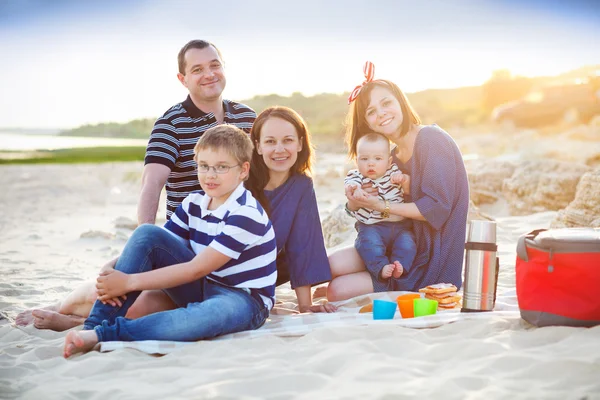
{"points": [[385, 242]]}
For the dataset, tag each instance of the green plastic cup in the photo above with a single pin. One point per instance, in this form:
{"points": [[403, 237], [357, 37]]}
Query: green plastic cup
{"points": [[424, 307]]}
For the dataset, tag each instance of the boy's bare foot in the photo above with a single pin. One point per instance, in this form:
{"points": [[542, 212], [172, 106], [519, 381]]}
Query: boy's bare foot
{"points": [[46, 319], [398, 270], [321, 291], [79, 342], [26, 317], [387, 270]]}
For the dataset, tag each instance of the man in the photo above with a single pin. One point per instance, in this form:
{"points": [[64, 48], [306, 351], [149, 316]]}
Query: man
{"points": [[168, 161], [170, 151]]}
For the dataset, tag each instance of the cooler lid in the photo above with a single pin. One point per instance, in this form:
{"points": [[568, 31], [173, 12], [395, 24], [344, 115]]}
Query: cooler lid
{"points": [[567, 240]]}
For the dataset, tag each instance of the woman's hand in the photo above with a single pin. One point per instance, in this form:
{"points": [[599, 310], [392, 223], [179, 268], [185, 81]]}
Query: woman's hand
{"points": [[364, 200], [112, 284], [318, 308]]}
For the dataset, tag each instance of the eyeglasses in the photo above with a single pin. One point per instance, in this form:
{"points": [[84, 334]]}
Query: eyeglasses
{"points": [[218, 169]]}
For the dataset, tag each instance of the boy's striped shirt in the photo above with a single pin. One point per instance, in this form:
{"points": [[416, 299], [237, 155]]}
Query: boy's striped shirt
{"points": [[240, 229], [173, 139]]}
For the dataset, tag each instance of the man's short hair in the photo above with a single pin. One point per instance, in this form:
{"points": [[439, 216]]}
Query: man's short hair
{"points": [[226, 137], [193, 44]]}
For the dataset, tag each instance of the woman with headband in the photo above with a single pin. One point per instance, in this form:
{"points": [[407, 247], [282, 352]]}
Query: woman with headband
{"points": [[439, 192]]}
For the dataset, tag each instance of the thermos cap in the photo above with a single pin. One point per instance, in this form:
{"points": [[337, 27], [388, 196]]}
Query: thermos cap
{"points": [[482, 231]]}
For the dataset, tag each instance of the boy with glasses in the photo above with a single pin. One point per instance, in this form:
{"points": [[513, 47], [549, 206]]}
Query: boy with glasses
{"points": [[215, 258]]}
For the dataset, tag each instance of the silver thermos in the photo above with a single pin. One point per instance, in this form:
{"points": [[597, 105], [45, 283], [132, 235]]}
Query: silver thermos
{"points": [[481, 267]]}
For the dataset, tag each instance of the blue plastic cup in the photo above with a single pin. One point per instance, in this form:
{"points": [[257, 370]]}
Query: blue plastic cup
{"points": [[383, 309]]}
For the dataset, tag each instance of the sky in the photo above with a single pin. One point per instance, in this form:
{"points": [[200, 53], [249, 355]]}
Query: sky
{"points": [[64, 63]]}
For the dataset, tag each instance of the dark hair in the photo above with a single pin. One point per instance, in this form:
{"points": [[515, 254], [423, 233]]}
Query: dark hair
{"points": [[356, 124], [193, 44], [229, 138], [374, 137], [259, 172]]}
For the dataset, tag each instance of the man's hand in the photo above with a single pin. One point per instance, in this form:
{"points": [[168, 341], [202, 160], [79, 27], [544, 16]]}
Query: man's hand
{"points": [[112, 284], [154, 178]]}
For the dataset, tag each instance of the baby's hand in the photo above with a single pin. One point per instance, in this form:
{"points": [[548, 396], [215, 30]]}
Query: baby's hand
{"points": [[400, 179], [397, 178]]}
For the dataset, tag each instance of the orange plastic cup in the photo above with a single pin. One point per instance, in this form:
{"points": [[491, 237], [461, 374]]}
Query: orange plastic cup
{"points": [[406, 304]]}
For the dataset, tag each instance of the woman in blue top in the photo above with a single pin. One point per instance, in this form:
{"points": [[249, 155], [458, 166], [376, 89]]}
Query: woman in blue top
{"points": [[280, 169], [280, 180], [438, 188]]}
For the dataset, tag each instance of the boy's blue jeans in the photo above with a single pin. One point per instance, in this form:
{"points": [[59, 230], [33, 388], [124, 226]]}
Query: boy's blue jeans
{"points": [[205, 309], [383, 243]]}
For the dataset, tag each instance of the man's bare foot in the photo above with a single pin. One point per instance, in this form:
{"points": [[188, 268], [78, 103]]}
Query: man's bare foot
{"points": [[321, 291], [398, 270], [387, 271], [79, 342], [46, 319], [26, 317]]}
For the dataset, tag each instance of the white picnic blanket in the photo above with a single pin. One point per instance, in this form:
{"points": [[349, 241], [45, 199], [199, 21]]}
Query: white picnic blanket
{"points": [[284, 322]]}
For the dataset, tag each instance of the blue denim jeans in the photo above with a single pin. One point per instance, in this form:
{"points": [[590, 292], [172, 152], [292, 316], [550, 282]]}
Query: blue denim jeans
{"points": [[205, 308], [383, 243]]}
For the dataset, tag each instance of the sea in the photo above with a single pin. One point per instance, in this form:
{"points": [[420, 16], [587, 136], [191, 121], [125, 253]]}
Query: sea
{"points": [[32, 142]]}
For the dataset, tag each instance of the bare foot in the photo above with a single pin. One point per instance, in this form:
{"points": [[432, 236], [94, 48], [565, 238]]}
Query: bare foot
{"points": [[46, 319], [321, 291], [79, 342], [387, 270], [398, 270], [26, 317]]}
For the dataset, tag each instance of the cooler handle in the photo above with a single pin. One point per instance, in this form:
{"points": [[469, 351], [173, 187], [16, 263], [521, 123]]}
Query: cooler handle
{"points": [[522, 247]]}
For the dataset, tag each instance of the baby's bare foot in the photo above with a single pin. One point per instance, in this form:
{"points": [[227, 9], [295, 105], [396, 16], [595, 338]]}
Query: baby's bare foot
{"points": [[398, 269], [79, 342], [386, 271], [47, 319]]}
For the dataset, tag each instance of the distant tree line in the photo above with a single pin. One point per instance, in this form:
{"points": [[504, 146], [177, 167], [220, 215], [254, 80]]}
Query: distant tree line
{"points": [[325, 113]]}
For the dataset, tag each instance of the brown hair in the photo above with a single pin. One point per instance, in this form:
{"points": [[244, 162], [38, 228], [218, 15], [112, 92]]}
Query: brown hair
{"points": [[259, 173], [226, 137], [193, 44], [356, 124]]}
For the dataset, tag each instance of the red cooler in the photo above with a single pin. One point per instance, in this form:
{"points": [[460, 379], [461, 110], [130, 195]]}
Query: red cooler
{"points": [[558, 277]]}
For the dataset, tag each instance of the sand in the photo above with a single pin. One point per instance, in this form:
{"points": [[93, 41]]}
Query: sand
{"points": [[59, 224]]}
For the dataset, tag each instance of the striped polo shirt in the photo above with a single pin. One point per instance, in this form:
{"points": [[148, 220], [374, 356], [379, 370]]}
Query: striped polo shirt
{"points": [[240, 229], [386, 191], [173, 139]]}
